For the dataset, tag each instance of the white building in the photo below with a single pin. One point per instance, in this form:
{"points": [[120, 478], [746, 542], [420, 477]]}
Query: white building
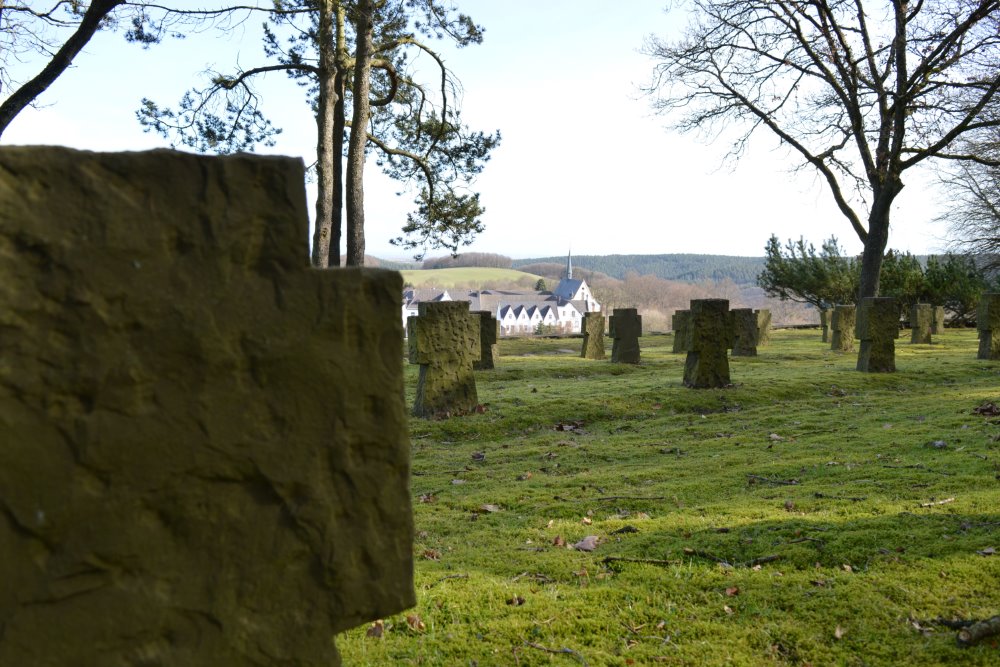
{"points": [[520, 312]]}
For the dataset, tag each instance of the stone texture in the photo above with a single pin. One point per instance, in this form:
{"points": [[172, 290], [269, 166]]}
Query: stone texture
{"points": [[842, 325], [763, 327], [204, 456], [921, 321], [711, 335], [878, 329], [744, 332], [988, 323], [489, 332], [444, 339], [937, 326], [625, 327], [593, 336], [680, 322], [825, 315]]}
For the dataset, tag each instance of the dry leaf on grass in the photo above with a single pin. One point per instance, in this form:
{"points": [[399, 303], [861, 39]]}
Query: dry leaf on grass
{"points": [[589, 543], [733, 591], [526, 476], [376, 630], [586, 521], [558, 541], [489, 508], [839, 632], [478, 456], [516, 601], [432, 554], [415, 623]]}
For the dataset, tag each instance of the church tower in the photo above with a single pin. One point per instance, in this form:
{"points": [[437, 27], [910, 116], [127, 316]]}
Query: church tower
{"points": [[569, 265]]}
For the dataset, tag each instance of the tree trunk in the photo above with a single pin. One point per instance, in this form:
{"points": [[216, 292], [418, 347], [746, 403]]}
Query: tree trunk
{"points": [[356, 145], [325, 144], [60, 62], [338, 139], [877, 239]]}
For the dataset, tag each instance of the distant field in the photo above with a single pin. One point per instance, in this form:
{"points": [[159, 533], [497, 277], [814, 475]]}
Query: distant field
{"points": [[472, 277]]}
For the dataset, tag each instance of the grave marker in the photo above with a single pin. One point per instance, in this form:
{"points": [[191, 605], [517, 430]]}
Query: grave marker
{"points": [[489, 332], [843, 324], [593, 336], [921, 321], [444, 339], [744, 332], [878, 329], [763, 327], [711, 335], [625, 327], [939, 316], [204, 457], [988, 324], [680, 322]]}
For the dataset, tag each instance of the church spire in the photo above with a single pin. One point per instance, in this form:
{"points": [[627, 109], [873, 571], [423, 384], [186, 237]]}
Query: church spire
{"points": [[569, 265]]}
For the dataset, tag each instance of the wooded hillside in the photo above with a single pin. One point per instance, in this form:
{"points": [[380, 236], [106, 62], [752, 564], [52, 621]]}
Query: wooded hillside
{"points": [[685, 268]]}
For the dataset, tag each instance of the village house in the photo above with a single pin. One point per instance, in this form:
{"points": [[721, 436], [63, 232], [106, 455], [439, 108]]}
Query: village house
{"points": [[520, 312]]}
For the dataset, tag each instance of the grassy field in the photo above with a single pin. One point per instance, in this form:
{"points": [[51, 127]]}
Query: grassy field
{"points": [[808, 515], [473, 277]]}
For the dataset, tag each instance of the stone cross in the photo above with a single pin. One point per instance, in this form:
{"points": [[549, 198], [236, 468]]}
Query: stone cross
{"points": [[711, 335], [593, 336], [843, 324], [878, 329], [489, 332], [625, 327], [444, 340], [204, 456], [763, 326], [988, 324], [824, 322], [680, 322], [937, 327], [921, 321], [744, 332]]}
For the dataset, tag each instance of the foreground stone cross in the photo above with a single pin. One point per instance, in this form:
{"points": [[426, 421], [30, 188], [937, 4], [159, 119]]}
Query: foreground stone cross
{"points": [[877, 328], [937, 327], [744, 332], [489, 333], [921, 322], [988, 324], [204, 456], [763, 326], [680, 322], [707, 363], [444, 340], [843, 324], [625, 327], [824, 321], [593, 336]]}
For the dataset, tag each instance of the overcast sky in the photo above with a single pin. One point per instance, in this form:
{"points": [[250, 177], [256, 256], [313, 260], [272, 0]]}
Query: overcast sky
{"points": [[584, 164]]}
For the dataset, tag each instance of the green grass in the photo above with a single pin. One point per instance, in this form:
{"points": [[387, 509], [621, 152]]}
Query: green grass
{"points": [[859, 563], [472, 277]]}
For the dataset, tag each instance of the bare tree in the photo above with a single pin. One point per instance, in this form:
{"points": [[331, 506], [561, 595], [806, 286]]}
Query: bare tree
{"points": [[973, 190], [860, 91]]}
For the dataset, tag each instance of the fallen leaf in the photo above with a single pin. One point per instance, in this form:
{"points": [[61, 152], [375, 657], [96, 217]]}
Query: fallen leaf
{"points": [[846, 568], [728, 609], [733, 591], [376, 630], [432, 554], [775, 437], [427, 497], [525, 476], [988, 409], [489, 508], [839, 632], [558, 541], [937, 444], [589, 543], [415, 623], [789, 506], [481, 408], [988, 551], [458, 481], [516, 601], [478, 456], [586, 521]]}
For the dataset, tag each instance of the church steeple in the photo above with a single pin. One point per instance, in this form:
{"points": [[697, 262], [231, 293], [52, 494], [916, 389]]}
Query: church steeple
{"points": [[569, 265]]}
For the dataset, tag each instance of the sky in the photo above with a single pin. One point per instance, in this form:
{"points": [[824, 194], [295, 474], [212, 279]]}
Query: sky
{"points": [[584, 164]]}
